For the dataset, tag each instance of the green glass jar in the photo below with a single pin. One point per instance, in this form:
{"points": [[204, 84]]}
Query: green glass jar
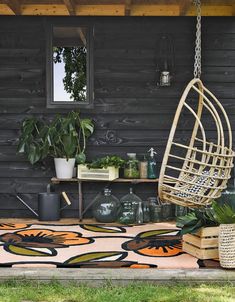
{"points": [[106, 207], [127, 213], [131, 169], [129, 205]]}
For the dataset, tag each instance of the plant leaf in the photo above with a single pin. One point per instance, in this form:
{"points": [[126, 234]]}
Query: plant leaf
{"points": [[92, 256]]}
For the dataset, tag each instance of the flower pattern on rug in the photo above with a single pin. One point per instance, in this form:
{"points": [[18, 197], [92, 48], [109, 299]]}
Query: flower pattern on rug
{"points": [[29, 242], [99, 260], [13, 226], [155, 244]]}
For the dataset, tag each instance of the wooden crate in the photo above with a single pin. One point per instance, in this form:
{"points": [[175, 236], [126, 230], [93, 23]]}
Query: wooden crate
{"points": [[203, 244], [109, 173]]}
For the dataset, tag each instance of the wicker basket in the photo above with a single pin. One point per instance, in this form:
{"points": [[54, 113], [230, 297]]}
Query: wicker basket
{"points": [[227, 245]]}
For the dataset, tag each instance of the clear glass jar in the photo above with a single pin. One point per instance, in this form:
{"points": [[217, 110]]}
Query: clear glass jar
{"points": [[131, 169], [106, 207], [129, 206]]}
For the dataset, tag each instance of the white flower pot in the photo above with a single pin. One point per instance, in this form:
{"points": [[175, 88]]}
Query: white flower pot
{"points": [[64, 167], [227, 245]]}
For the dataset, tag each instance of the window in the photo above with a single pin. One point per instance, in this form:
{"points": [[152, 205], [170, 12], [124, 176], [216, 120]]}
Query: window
{"points": [[69, 66]]}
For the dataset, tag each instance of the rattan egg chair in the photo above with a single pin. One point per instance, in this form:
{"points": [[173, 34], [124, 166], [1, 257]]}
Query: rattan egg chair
{"points": [[203, 165]]}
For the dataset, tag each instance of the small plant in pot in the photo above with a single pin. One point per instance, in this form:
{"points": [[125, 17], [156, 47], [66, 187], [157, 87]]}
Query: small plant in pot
{"points": [[64, 139]]}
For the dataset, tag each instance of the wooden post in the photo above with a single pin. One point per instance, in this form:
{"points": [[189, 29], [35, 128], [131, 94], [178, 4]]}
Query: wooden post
{"points": [[14, 6], [71, 7]]}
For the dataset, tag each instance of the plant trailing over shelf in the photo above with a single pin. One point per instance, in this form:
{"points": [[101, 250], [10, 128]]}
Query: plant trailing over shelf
{"points": [[63, 137], [107, 161], [195, 220]]}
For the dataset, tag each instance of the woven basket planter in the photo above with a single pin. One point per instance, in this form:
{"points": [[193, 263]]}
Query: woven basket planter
{"points": [[227, 245]]}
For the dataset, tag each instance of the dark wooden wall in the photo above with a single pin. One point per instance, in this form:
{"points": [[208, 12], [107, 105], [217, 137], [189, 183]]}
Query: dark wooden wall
{"points": [[131, 113]]}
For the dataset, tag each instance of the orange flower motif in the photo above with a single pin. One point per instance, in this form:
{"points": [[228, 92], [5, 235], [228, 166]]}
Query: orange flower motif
{"points": [[156, 246], [43, 238], [13, 226]]}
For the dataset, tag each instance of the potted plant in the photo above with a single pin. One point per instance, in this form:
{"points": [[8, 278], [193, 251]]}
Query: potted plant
{"points": [[200, 233], [64, 139], [225, 216], [105, 168]]}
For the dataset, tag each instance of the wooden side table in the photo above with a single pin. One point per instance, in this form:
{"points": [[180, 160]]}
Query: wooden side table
{"points": [[79, 182]]}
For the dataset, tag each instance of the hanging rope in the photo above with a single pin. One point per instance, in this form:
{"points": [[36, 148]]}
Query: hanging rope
{"points": [[197, 58]]}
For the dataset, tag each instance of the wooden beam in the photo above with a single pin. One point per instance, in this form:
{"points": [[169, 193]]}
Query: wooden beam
{"points": [[14, 5], [233, 10], [71, 7], [82, 35], [184, 7], [155, 10], [127, 7]]}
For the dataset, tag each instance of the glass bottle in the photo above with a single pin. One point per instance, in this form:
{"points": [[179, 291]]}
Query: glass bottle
{"points": [[146, 211], [131, 169], [139, 214], [152, 171], [106, 207], [143, 168]]}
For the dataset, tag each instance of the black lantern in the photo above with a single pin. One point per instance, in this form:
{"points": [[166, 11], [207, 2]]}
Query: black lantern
{"points": [[165, 60]]}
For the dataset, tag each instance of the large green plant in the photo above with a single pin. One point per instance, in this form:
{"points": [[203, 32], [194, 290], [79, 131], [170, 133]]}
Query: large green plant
{"points": [[63, 137], [195, 220]]}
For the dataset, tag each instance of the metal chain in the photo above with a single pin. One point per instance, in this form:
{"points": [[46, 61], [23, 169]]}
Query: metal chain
{"points": [[197, 57]]}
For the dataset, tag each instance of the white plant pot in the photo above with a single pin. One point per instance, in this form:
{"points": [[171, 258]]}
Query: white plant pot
{"points": [[64, 167], [227, 245]]}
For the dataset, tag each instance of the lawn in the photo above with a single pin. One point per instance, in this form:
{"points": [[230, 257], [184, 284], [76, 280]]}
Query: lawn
{"points": [[23, 291]]}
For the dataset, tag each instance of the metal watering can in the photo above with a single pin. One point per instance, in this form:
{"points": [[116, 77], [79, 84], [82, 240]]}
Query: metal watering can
{"points": [[48, 205]]}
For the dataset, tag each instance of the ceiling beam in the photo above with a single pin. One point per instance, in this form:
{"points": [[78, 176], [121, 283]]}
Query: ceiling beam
{"points": [[71, 7], [127, 7], [184, 7], [14, 5], [233, 10]]}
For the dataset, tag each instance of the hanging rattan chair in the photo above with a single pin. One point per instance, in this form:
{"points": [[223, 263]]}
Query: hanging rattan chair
{"points": [[204, 165]]}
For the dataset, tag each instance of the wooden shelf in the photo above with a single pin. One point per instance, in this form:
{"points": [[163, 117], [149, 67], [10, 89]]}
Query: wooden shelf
{"points": [[122, 180]]}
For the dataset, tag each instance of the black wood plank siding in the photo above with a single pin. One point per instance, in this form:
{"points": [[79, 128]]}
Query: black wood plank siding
{"points": [[130, 112]]}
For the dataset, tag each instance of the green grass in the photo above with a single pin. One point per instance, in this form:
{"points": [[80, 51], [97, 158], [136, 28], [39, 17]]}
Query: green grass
{"points": [[13, 291]]}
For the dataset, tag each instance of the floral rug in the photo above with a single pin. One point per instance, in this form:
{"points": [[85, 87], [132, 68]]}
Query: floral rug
{"points": [[95, 246]]}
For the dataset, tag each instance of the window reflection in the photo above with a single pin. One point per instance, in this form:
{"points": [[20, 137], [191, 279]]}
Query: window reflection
{"points": [[70, 64]]}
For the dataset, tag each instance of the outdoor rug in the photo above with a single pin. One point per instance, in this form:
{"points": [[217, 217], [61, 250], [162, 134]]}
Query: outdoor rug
{"points": [[95, 246]]}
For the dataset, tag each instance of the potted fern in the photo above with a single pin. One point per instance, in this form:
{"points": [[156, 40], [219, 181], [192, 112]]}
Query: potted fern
{"points": [[225, 216], [64, 139]]}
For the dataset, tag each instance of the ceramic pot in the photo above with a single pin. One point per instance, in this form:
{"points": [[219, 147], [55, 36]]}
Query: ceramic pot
{"points": [[64, 167]]}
